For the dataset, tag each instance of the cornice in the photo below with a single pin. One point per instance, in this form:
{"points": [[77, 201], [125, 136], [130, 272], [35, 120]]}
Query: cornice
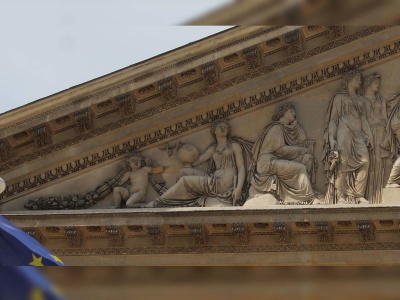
{"points": [[242, 230], [237, 106], [173, 60]]}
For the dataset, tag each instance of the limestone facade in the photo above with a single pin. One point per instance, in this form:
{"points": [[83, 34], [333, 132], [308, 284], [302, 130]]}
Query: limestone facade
{"points": [[69, 149]]}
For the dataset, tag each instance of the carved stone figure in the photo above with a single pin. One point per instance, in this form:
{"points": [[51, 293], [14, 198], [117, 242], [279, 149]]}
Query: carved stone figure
{"points": [[377, 117], [392, 143], [282, 162], [138, 176], [348, 139], [225, 179]]}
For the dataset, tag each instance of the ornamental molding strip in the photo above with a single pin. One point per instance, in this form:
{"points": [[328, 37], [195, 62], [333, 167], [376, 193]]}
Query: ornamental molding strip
{"points": [[307, 81], [255, 146]]}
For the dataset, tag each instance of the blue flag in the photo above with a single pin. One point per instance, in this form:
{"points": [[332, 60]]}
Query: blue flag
{"points": [[25, 283], [17, 248]]}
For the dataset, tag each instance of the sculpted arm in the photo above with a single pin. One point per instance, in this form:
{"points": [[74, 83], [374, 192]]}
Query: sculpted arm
{"points": [[156, 170], [291, 152], [124, 178], [204, 156], [238, 153]]}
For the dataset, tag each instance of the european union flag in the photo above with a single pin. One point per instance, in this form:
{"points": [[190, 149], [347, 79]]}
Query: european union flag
{"points": [[18, 248], [25, 283]]}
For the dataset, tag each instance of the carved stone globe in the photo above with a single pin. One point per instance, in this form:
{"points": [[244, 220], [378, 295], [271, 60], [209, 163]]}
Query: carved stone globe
{"points": [[187, 154]]}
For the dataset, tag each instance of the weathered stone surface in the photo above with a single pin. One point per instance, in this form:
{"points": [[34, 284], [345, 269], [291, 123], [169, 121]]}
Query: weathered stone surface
{"points": [[254, 124]]}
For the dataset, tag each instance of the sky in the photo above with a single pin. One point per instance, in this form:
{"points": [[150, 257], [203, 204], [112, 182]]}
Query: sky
{"points": [[47, 46]]}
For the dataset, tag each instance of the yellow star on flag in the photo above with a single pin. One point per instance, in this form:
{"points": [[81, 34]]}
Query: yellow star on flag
{"points": [[37, 294], [37, 261], [57, 259]]}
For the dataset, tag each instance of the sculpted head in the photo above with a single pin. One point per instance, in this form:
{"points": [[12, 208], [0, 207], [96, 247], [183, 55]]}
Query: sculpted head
{"points": [[372, 83], [221, 128], [353, 78], [285, 114], [135, 161]]}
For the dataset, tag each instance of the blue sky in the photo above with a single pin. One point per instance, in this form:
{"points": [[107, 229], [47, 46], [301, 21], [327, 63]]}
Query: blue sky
{"points": [[50, 45]]}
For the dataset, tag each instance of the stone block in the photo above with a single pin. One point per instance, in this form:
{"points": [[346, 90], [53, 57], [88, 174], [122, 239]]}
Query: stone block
{"points": [[391, 196]]}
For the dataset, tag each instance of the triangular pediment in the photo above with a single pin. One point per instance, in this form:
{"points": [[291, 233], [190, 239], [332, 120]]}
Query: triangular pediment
{"points": [[69, 150]]}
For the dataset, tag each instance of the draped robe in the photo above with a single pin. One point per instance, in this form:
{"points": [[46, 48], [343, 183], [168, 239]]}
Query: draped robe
{"points": [[279, 163]]}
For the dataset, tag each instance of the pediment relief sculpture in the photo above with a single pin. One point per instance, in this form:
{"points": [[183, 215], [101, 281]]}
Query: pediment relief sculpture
{"points": [[361, 133]]}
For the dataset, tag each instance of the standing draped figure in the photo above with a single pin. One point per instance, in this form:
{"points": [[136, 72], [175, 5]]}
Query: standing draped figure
{"points": [[392, 143], [347, 140], [377, 116]]}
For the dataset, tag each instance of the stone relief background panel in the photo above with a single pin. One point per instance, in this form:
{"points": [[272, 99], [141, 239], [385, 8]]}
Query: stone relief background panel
{"points": [[311, 107]]}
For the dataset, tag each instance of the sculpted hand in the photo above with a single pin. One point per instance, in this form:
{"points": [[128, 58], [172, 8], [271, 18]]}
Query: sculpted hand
{"points": [[237, 193]]}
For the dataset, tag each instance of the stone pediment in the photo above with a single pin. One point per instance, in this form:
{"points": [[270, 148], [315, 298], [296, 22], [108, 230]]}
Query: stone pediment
{"points": [[68, 150]]}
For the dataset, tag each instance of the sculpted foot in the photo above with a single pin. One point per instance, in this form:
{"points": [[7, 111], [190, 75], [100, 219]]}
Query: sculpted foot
{"points": [[342, 201], [362, 200]]}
